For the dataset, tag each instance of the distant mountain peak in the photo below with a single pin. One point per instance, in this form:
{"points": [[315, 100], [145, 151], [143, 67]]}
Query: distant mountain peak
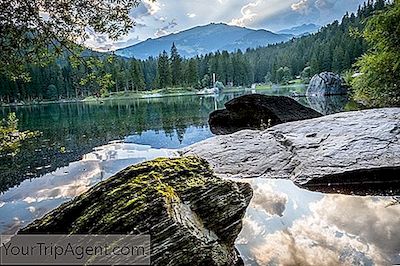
{"points": [[303, 29], [204, 39]]}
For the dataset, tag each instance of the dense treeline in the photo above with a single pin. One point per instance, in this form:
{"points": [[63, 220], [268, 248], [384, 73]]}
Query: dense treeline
{"points": [[333, 48]]}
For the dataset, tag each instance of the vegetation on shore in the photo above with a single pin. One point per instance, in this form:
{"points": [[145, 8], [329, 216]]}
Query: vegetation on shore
{"points": [[11, 137], [378, 82], [333, 48]]}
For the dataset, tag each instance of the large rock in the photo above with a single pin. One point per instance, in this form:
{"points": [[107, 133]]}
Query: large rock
{"points": [[326, 83], [193, 217], [257, 111], [354, 147], [328, 105]]}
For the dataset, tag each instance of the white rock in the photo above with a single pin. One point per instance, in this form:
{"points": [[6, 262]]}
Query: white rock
{"points": [[309, 149]]}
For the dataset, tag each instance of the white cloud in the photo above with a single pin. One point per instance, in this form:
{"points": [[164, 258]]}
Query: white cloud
{"points": [[305, 6], [165, 30], [248, 14], [302, 7], [340, 230], [151, 17], [268, 200], [153, 7]]}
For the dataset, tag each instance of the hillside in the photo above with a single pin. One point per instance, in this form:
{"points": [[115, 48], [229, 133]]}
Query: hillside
{"points": [[204, 39]]}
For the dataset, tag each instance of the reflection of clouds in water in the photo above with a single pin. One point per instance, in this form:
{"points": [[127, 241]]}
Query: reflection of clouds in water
{"points": [[12, 226], [33, 198], [265, 198], [371, 220], [250, 230], [342, 230], [57, 184], [309, 242]]}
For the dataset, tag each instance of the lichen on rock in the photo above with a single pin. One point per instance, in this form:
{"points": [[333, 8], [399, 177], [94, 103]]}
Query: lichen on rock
{"points": [[193, 216]]}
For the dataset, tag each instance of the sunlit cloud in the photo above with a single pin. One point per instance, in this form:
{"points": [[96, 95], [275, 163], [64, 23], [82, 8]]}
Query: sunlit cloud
{"points": [[152, 6], [340, 230], [248, 14], [301, 7], [151, 18], [165, 30], [265, 198]]}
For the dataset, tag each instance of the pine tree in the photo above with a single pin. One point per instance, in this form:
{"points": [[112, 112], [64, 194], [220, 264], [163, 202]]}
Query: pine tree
{"points": [[176, 67], [163, 71], [191, 74]]}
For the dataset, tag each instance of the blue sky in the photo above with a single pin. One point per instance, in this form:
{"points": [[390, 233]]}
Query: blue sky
{"points": [[155, 19]]}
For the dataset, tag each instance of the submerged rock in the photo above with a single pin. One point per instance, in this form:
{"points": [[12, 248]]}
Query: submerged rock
{"points": [[257, 111], [353, 147], [326, 83], [193, 217]]}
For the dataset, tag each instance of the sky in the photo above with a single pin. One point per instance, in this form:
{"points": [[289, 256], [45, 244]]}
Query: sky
{"points": [[163, 17]]}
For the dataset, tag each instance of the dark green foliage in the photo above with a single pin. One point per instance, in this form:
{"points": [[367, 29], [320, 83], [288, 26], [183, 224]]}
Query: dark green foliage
{"points": [[11, 137], [379, 81], [176, 67], [164, 71], [36, 32], [336, 47], [191, 73]]}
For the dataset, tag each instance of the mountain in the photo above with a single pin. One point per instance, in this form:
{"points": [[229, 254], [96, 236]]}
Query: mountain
{"points": [[204, 39], [304, 29]]}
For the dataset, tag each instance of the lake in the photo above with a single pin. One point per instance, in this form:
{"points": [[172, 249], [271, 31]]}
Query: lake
{"points": [[84, 143]]}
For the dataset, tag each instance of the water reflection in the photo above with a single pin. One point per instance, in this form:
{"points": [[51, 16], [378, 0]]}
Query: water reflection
{"points": [[318, 229], [71, 130], [33, 198]]}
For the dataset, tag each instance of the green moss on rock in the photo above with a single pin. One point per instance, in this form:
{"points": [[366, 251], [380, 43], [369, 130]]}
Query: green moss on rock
{"points": [[192, 215]]}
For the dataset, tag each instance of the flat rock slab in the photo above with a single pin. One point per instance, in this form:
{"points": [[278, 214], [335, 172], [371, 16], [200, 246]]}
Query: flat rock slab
{"points": [[344, 147]]}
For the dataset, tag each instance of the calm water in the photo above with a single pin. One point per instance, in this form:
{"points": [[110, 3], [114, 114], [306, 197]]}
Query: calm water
{"points": [[84, 143]]}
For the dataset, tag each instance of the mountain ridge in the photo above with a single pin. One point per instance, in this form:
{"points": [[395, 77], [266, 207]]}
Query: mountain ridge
{"points": [[301, 30], [204, 39]]}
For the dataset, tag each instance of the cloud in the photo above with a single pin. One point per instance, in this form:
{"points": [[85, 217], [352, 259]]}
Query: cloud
{"points": [[340, 230], [153, 7], [268, 200], [248, 14], [325, 4], [151, 17], [360, 213], [302, 7], [165, 30], [306, 6]]}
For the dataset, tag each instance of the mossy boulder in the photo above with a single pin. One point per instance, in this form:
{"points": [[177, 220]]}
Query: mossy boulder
{"points": [[193, 216]]}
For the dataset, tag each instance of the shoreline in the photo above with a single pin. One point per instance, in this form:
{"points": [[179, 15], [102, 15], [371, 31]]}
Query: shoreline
{"points": [[154, 94]]}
